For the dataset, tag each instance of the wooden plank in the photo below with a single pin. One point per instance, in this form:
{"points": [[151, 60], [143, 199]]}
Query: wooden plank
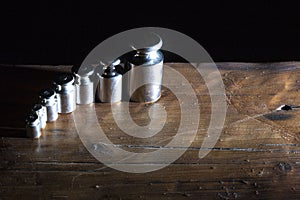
{"points": [[256, 156]]}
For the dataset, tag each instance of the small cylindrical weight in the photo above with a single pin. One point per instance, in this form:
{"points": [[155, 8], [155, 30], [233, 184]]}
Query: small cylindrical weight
{"points": [[84, 84], [48, 99], [41, 111], [33, 128], [66, 93], [110, 84]]}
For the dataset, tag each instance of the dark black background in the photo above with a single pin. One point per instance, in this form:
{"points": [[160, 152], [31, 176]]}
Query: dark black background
{"points": [[48, 32]]}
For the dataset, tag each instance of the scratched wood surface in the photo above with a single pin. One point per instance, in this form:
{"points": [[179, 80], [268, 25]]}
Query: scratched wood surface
{"points": [[255, 157]]}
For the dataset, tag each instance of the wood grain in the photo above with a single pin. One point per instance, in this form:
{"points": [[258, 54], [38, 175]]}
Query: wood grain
{"points": [[256, 156]]}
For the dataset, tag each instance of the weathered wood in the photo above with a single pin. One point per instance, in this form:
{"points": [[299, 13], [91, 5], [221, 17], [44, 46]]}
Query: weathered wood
{"points": [[256, 156]]}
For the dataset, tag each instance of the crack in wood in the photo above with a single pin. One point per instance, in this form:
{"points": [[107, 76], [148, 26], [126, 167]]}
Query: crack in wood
{"points": [[200, 148]]}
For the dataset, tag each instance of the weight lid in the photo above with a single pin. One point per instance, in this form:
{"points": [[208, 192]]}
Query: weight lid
{"points": [[46, 93], [147, 42], [37, 107], [64, 80], [83, 70], [31, 119], [109, 68]]}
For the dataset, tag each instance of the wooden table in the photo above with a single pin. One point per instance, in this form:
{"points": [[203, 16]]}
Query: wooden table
{"points": [[256, 156]]}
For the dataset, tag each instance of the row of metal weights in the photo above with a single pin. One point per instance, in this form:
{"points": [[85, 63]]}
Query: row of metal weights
{"points": [[138, 79]]}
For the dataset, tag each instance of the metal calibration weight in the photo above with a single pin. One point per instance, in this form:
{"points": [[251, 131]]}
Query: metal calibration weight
{"points": [[41, 111], [110, 83], [48, 98], [84, 84], [64, 85], [145, 69], [33, 127]]}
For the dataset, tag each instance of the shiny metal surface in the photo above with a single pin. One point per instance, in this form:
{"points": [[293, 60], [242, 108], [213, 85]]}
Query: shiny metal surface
{"points": [[48, 99], [138, 76], [33, 128], [110, 89], [84, 82], [145, 71], [147, 42], [66, 93], [110, 84], [41, 111]]}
